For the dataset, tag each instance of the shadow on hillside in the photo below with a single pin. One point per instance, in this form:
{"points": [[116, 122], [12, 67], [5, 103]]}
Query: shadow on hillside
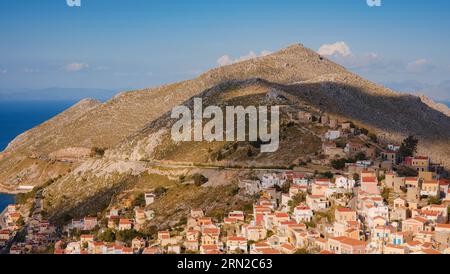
{"points": [[93, 204], [396, 114]]}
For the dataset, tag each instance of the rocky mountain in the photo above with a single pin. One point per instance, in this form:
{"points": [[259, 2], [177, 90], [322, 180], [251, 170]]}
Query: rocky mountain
{"points": [[437, 106], [134, 128], [107, 124]]}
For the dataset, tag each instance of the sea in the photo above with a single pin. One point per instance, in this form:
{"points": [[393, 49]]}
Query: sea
{"points": [[17, 117]]}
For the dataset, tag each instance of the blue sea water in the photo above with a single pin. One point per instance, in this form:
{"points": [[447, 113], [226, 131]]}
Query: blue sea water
{"points": [[17, 117], [6, 200]]}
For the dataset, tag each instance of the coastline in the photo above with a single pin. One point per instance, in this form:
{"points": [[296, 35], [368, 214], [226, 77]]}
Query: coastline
{"points": [[5, 191]]}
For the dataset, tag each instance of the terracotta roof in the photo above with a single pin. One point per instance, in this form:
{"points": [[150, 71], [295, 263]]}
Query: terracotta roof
{"points": [[261, 244], [349, 241], [414, 243], [125, 222], [326, 252], [281, 215], [269, 251], [235, 238], [288, 246], [369, 179], [303, 208], [322, 240], [431, 251], [421, 158], [211, 231], [420, 219], [395, 246]]}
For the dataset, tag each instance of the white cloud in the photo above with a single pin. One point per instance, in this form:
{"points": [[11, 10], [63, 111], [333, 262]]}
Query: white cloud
{"points": [[31, 70], [227, 60], [418, 65], [224, 60], [74, 67], [360, 61], [336, 49], [3, 71]]}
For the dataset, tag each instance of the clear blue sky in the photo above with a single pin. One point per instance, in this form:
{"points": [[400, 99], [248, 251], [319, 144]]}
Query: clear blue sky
{"points": [[141, 43]]}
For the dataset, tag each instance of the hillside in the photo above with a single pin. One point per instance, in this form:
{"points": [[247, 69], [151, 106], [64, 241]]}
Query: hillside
{"points": [[134, 129], [105, 125]]}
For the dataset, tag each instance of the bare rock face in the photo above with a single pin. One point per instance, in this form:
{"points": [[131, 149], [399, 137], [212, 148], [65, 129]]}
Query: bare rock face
{"points": [[436, 106], [71, 154]]}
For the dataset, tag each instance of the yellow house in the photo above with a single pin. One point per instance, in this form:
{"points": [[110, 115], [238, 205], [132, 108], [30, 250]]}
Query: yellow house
{"points": [[430, 188], [421, 163], [344, 215]]}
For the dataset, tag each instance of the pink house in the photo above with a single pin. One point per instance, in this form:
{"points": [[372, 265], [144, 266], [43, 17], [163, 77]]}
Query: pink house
{"points": [[370, 185], [414, 224]]}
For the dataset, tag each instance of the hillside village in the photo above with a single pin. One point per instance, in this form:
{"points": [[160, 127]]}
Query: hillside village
{"points": [[373, 198]]}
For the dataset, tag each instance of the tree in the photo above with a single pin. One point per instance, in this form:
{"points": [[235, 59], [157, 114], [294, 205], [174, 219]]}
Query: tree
{"points": [[139, 200], [434, 200], [199, 179], [311, 224], [339, 163], [285, 188], [21, 221], [301, 251], [408, 147], [386, 193], [107, 236], [296, 200], [360, 157], [150, 231], [97, 152], [364, 131], [327, 175], [373, 137], [126, 236], [160, 191], [404, 171]]}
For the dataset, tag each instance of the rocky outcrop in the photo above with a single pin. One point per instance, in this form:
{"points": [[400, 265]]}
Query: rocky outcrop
{"points": [[436, 106]]}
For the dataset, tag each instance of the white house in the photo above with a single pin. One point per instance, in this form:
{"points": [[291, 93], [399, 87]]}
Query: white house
{"points": [[236, 243], [270, 180], [149, 198], [332, 135], [301, 181], [393, 147], [364, 164], [303, 214], [317, 202], [251, 186], [377, 211], [344, 182]]}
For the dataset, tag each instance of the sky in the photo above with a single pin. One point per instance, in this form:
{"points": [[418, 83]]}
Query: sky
{"points": [[128, 44]]}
